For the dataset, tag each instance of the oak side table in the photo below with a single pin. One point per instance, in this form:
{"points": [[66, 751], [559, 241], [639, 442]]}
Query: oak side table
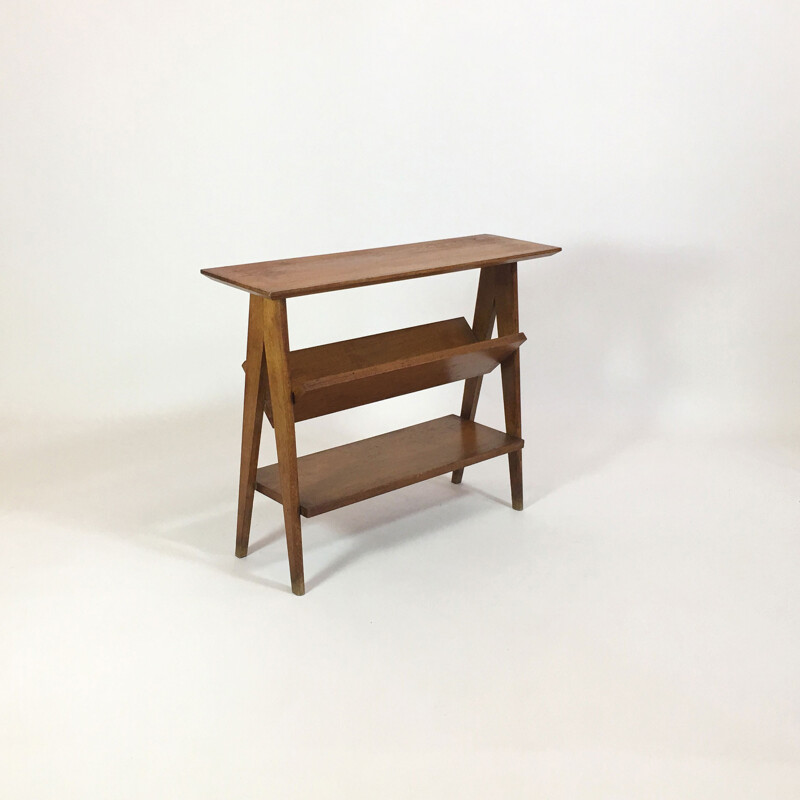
{"points": [[294, 385]]}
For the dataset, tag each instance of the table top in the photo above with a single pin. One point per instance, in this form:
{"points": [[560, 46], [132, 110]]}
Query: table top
{"points": [[292, 277]]}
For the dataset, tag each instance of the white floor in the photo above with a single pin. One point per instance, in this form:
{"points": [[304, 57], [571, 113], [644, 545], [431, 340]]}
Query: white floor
{"points": [[635, 632]]}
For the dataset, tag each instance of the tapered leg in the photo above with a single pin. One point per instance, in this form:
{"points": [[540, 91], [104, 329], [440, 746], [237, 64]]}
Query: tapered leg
{"points": [[482, 326], [507, 307], [276, 342], [255, 390]]}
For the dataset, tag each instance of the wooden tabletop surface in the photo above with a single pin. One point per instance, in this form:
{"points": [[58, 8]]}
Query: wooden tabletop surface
{"points": [[292, 277]]}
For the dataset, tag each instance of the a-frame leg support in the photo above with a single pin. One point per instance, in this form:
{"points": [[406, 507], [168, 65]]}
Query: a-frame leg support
{"points": [[507, 307], [498, 298], [255, 392], [482, 327], [276, 333], [267, 376]]}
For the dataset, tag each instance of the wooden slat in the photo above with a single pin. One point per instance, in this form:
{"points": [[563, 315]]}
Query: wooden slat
{"points": [[342, 475], [482, 326], [293, 277], [335, 392], [320, 361]]}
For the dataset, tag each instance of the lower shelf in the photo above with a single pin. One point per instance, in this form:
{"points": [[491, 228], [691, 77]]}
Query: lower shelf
{"points": [[343, 475]]}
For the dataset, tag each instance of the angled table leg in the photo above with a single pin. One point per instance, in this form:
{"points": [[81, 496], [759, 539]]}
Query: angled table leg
{"points": [[276, 342], [507, 307], [255, 392], [482, 326]]}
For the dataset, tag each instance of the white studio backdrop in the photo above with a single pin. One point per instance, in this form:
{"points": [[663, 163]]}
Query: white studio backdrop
{"points": [[634, 633], [656, 143]]}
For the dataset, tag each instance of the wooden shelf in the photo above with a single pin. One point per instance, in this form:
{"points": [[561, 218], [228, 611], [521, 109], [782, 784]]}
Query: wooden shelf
{"points": [[342, 475], [369, 351], [291, 386], [291, 277], [355, 372]]}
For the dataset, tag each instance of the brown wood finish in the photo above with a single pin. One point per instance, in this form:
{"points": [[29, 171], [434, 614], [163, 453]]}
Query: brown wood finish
{"points": [[482, 327], [342, 475], [314, 397], [299, 276], [276, 334], [267, 402], [255, 389], [319, 373], [370, 351], [291, 386], [507, 308]]}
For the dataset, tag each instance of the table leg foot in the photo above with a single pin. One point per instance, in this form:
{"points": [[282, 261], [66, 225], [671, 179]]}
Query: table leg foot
{"points": [[515, 473]]}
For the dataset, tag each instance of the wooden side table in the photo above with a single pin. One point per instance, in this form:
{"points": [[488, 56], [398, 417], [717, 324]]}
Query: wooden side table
{"points": [[293, 385]]}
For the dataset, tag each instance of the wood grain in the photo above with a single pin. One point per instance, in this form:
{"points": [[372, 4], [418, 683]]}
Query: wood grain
{"points": [[342, 475], [291, 386], [507, 307], [315, 395], [276, 334], [482, 327], [255, 390], [348, 355], [293, 277]]}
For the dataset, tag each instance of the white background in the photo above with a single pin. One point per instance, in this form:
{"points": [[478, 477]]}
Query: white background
{"points": [[656, 143]]}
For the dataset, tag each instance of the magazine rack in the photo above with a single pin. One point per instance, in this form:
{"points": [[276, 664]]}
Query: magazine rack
{"points": [[289, 386]]}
